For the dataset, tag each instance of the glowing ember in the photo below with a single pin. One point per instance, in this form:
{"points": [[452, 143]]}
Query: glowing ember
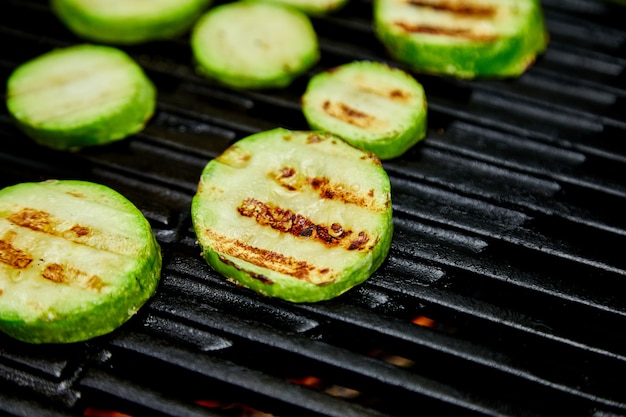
{"points": [[423, 321], [307, 381], [94, 412]]}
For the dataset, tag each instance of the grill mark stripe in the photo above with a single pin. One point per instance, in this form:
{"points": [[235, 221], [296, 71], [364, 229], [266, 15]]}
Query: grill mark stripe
{"points": [[12, 256], [349, 115], [396, 95], [452, 32], [289, 179], [44, 222], [265, 258], [286, 221], [465, 9]]}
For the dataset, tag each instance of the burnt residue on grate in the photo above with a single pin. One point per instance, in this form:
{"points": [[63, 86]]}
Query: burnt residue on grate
{"points": [[503, 293]]}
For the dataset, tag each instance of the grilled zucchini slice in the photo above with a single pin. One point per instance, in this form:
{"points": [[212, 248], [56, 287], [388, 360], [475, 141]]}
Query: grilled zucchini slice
{"points": [[299, 215], [77, 260], [369, 104], [249, 44], [80, 96], [462, 38], [128, 22]]}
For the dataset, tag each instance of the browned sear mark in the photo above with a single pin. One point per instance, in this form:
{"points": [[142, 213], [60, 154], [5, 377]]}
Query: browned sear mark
{"points": [[12, 256], [286, 221], [32, 219], [54, 273], [453, 32], [348, 114], [41, 221], [399, 94], [287, 177], [61, 274], [315, 138], [272, 260], [79, 230], [394, 94], [463, 8]]}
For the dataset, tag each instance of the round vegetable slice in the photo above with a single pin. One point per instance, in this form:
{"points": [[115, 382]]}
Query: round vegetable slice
{"points": [[249, 44], [299, 215], [369, 104], [127, 22], [77, 260], [80, 96], [463, 38]]}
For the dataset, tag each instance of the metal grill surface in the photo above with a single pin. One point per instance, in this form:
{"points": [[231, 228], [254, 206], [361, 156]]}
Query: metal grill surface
{"points": [[503, 293]]}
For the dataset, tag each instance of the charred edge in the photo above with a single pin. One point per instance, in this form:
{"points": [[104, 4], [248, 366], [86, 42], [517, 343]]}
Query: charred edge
{"points": [[459, 8], [60, 274], [12, 256], [348, 114], [261, 257], [286, 221], [452, 32]]}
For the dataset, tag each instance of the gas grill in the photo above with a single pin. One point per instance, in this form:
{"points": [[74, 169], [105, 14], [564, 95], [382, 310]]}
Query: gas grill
{"points": [[503, 293]]}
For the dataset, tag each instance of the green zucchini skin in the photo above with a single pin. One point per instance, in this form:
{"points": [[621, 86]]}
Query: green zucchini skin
{"points": [[262, 209], [80, 96], [254, 45], [503, 52], [128, 22], [369, 104], [123, 262]]}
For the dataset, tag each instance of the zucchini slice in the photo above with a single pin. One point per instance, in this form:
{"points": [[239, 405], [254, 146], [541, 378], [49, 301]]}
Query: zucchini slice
{"points": [[128, 22], [299, 215], [369, 104], [77, 260], [80, 96], [249, 44], [462, 38], [313, 7]]}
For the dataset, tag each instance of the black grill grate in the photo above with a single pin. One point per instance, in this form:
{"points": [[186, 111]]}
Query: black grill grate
{"points": [[503, 294]]}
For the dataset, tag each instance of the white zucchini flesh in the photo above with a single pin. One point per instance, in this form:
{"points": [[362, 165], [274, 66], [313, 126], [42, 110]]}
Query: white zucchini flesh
{"points": [[369, 104], [299, 215], [80, 96], [77, 260]]}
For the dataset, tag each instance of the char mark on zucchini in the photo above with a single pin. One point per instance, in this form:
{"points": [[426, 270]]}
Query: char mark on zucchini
{"points": [[286, 221], [289, 178], [460, 8], [12, 256], [349, 114], [443, 31], [42, 221], [61, 274], [264, 258]]}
